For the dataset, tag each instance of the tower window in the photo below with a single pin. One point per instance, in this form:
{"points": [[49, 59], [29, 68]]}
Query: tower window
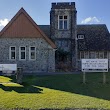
{"points": [[63, 22]]}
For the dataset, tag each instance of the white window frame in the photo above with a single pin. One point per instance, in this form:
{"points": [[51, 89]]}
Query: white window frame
{"points": [[20, 53], [97, 55], [63, 22], [100, 54], [81, 54], [92, 53], [80, 36], [86, 54], [30, 53], [11, 51]]}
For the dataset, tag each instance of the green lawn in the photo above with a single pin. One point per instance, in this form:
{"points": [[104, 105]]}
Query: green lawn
{"points": [[55, 92]]}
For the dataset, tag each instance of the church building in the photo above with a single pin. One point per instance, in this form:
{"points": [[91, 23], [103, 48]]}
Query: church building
{"points": [[59, 46]]}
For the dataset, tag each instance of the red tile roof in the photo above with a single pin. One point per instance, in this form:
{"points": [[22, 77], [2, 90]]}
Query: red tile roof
{"points": [[23, 26]]}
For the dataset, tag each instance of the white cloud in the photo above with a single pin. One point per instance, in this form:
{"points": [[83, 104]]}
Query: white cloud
{"points": [[3, 22], [90, 20]]}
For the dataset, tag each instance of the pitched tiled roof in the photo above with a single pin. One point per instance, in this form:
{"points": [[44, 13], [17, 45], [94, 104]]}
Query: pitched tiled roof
{"points": [[96, 37], [45, 29], [23, 26]]}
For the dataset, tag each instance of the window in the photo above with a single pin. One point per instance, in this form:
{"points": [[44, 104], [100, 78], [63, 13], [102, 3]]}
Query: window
{"points": [[86, 55], [32, 53], [101, 54], [63, 22], [105, 55], [80, 37], [12, 53], [92, 55], [22, 53], [81, 55], [97, 54]]}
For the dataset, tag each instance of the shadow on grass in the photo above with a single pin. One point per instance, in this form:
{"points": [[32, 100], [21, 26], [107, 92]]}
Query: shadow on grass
{"points": [[69, 83], [25, 87], [73, 83]]}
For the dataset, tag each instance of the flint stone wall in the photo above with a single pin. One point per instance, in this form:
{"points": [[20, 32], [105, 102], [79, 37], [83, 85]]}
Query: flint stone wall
{"points": [[45, 54]]}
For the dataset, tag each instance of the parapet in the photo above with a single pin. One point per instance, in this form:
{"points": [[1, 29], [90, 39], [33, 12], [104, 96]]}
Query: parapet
{"points": [[63, 5]]}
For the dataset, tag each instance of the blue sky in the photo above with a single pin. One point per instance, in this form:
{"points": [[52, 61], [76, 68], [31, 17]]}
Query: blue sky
{"points": [[88, 11]]}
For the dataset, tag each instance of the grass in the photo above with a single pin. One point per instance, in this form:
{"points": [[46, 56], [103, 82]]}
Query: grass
{"points": [[55, 92]]}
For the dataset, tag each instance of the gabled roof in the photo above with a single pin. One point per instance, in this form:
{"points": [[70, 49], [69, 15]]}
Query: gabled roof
{"points": [[23, 26], [96, 37], [45, 29]]}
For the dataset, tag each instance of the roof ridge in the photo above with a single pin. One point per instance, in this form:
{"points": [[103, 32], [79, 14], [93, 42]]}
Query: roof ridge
{"points": [[89, 24], [33, 23], [13, 18], [44, 25]]}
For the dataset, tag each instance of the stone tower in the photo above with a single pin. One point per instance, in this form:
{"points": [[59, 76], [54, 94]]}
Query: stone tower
{"points": [[63, 32]]}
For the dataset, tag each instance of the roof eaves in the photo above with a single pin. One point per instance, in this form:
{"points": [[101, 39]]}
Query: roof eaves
{"points": [[41, 32], [32, 21]]}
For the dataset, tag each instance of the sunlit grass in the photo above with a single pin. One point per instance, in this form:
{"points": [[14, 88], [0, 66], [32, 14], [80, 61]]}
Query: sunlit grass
{"points": [[4, 79], [55, 92]]}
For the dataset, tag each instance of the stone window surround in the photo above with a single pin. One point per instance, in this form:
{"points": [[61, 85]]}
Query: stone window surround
{"points": [[11, 51], [32, 51], [20, 53], [63, 22]]}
